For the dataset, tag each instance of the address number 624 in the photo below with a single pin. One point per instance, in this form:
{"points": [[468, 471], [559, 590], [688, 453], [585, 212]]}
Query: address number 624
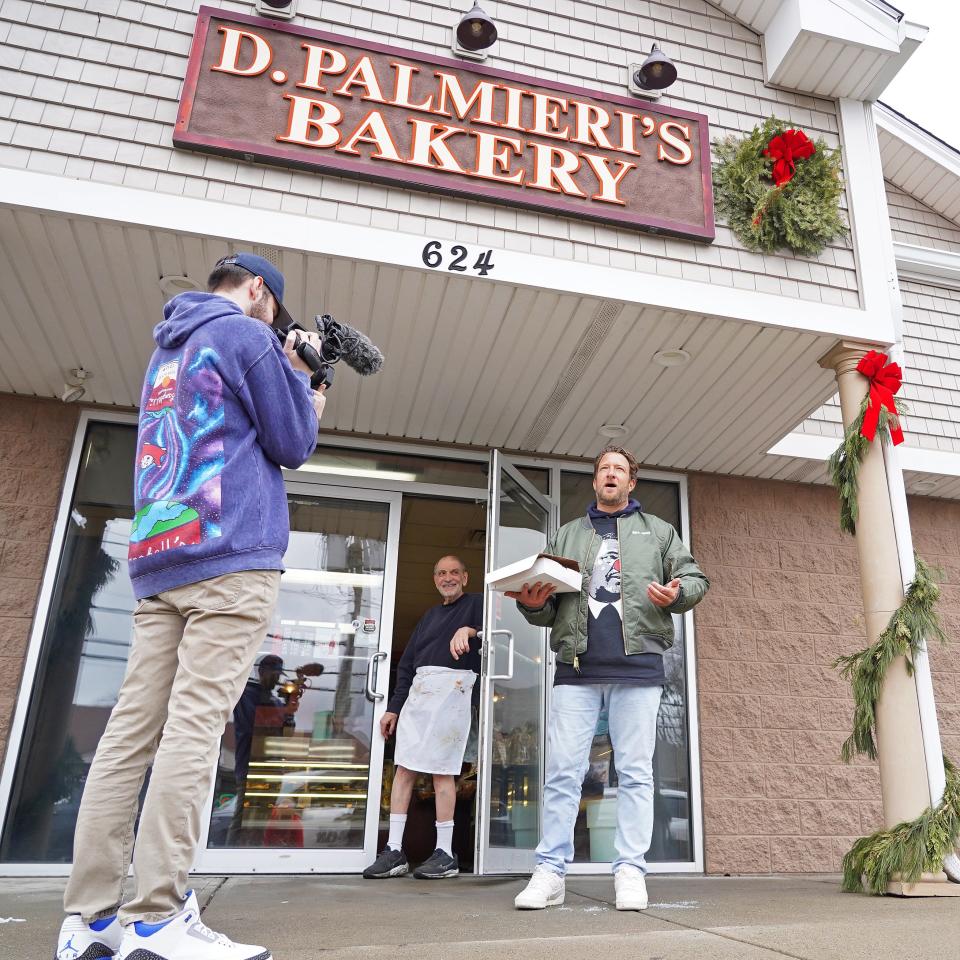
{"points": [[433, 257]]}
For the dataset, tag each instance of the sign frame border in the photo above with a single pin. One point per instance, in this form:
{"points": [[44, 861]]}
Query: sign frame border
{"points": [[420, 179]]}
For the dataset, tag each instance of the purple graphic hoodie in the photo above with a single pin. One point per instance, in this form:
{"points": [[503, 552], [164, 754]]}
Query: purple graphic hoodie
{"points": [[222, 410]]}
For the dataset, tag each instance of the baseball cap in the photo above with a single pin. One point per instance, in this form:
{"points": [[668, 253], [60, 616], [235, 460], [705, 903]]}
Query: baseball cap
{"points": [[272, 277], [270, 661]]}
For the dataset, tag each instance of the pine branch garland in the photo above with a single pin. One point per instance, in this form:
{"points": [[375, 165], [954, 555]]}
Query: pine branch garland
{"points": [[915, 620], [917, 846], [844, 464], [909, 849]]}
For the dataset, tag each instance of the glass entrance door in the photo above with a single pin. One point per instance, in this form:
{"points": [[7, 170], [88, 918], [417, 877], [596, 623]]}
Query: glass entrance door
{"points": [[297, 785], [514, 682]]}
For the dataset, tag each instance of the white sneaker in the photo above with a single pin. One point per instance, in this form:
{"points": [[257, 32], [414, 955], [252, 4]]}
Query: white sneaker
{"points": [[183, 937], [631, 888], [545, 889], [88, 941]]}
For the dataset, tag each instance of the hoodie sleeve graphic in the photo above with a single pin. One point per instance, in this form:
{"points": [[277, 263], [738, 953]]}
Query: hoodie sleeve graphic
{"points": [[179, 456]]}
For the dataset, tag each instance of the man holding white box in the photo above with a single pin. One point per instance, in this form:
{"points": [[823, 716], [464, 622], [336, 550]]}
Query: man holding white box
{"points": [[609, 639]]}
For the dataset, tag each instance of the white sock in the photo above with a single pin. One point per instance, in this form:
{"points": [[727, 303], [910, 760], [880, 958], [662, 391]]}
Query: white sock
{"points": [[445, 836], [398, 822]]}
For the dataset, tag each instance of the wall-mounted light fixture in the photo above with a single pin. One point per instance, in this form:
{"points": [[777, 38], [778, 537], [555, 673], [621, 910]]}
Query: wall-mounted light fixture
{"points": [[75, 385], [277, 9], [653, 76], [474, 35]]}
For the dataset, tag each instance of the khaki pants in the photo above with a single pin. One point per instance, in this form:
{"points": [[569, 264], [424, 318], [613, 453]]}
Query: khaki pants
{"points": [[192, 651]]}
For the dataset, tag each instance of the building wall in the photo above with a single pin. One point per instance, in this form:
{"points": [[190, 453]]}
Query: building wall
{"points": [[913, 222], [931, 385], [35, 439], [785, 601], [92, 90]]}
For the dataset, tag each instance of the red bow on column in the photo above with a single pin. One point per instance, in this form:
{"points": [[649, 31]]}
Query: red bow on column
{"points": [[784, 150], [885, 379]]}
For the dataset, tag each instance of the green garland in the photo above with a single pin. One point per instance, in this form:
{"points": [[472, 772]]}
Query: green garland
{"points": [[914, 619], [844, 464], [909, 849], [803, 215], [916, 846]]}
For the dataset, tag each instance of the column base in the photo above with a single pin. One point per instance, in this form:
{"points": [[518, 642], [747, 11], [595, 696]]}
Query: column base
{"points": [[929, 885]]}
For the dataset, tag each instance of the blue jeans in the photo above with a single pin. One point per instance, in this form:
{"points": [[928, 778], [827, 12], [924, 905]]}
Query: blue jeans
{"points": [[633, 733]]}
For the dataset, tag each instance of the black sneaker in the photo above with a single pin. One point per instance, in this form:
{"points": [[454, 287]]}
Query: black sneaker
{"points": [[390, 863], [438, 866]]}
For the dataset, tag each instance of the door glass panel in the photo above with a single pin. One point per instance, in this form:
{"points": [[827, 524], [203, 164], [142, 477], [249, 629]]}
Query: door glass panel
{"points": [[516, 729], [672, 825], [295, 760], [83, 654]]}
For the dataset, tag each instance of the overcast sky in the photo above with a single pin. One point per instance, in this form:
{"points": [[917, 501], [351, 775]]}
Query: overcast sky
{"points": [[924, 90]]}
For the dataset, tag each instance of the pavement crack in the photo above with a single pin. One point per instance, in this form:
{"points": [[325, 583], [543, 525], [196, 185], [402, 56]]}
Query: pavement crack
{"points": [[207, 900]]}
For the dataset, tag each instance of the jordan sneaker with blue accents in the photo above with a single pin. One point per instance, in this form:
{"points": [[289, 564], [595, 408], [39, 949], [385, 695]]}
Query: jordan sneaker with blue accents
{"points": [[183, 937], [88, 941]]}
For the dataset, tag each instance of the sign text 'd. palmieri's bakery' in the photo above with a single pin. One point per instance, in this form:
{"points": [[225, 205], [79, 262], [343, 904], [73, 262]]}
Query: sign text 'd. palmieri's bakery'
{"points": [[284, 94]]}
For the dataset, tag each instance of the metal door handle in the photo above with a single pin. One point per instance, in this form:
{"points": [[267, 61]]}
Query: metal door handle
{"points": [[503, 633], [371, 692]]}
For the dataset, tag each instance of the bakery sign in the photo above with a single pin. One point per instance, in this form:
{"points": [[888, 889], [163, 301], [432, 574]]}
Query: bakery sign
{"points": [[280, 93]]}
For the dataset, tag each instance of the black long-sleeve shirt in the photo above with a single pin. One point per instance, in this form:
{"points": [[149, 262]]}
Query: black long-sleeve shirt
{"points": [[429, 644]]}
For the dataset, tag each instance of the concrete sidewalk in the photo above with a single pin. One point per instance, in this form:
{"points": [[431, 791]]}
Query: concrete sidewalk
{"points": [[301, 918]]}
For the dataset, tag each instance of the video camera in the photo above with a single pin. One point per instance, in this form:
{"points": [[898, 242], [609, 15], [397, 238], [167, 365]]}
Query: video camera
{"points": [[291, 688], [339, 341]]}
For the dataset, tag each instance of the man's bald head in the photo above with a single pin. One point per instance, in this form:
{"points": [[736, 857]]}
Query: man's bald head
{"points": [[450, 577]]}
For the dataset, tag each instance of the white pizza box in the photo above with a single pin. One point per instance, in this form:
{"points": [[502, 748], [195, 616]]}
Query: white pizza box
{"points": [[559, 572]]}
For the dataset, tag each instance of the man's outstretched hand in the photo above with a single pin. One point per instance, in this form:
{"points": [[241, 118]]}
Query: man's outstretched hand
{"points": [[662, 595], [534, 596]]}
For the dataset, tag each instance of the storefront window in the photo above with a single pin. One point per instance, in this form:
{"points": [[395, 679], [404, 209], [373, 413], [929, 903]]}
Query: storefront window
{"points": [[673, 824], [83, 654], [411, 468]]}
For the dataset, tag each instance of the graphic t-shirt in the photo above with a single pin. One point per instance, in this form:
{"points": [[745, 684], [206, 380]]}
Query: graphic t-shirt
{"points": [[606, 660]]}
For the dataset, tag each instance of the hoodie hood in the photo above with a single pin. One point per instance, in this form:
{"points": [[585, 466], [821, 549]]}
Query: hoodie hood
{"points": [[189, 311], [595, 513]]}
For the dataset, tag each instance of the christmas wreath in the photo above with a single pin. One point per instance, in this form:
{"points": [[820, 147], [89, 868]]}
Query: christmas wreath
{"points": [[778, 188]]}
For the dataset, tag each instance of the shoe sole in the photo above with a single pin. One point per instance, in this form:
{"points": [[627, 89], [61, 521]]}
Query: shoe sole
{"points": [[395, 872], [624, 907], [141, 954], [96, 951], [556, 901], [455, 872]]}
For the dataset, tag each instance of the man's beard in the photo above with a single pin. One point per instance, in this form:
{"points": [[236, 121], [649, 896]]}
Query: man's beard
{"points": [[260, 309], [614, 496]]}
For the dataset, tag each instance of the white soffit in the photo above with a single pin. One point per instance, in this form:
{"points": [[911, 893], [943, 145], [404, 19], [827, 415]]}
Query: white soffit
{"points": [[468, 361], [830, 48], [803, 457], [918, 162]]}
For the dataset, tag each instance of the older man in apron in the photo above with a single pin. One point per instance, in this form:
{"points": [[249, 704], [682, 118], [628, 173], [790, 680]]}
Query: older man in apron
{"points": [[430, 710]]}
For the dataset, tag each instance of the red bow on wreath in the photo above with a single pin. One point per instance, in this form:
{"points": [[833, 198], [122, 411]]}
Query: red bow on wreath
{"points": [[885, 379], [784, 150]]}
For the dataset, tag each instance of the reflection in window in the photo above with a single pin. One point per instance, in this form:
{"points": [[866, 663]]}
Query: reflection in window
{"points": [[83, 654], [597, 820], [295, 758]]}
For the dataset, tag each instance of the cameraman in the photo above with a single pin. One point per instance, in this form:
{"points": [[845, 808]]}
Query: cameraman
{"points": [[223, 408]]}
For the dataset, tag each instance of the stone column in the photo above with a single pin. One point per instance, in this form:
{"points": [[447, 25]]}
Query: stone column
{"points": [[903, 771]]}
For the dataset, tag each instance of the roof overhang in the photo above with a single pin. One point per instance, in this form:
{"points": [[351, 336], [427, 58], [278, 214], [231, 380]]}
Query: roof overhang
{"points": [[831, 48], [918, 162]]}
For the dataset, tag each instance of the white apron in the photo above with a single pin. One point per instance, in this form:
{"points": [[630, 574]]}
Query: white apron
{"points": [[435, 721]]}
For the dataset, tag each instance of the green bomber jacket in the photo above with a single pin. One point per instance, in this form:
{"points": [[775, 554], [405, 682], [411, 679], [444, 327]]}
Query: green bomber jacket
{"points": [[649, 550]]}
